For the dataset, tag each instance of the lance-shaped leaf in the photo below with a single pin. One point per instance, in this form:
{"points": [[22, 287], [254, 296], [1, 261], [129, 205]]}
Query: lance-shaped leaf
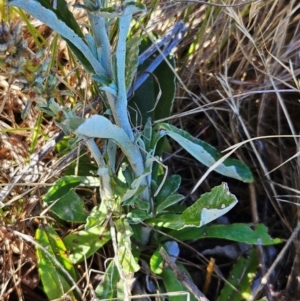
{"points": [[156, 260], [175, 288], [238, 284], [203, 152], [56, 284], [65, 202], [171, 185], [84, 243], [244, 233], [169, 201], [136, 187], [106, 290]]}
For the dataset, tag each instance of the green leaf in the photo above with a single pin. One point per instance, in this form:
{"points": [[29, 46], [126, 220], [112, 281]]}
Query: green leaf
{"points": [[156, 262], [54, 280], [250, 234], [73, 122], [140, 204], [170, 186], [63, 147], [141, 234], [68, 205], [70, 208], [203, 152], [136, 216], [132, 52], [136, 187], [84, 243], [97, 216], [238, 285], [106, 290], [167, 220], [169, 201], [144, 103], [108, 84], [173, 285], [209, 207], [60, 188], [65, 184]]}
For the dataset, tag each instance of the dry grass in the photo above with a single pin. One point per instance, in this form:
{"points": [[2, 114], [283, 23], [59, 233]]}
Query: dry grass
{"points": [[239, 68]]}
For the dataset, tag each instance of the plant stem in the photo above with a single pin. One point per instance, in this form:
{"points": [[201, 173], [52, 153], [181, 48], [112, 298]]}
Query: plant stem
{"points": [[102, 43], [103, 171], [121, 105]]}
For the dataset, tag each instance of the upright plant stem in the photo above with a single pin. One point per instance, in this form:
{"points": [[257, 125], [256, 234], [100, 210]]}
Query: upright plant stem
{"points": [[102, 43], [103, 171], [118, 104], [121, 105]]}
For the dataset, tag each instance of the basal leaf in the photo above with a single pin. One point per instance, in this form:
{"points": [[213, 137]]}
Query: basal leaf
{"points": [[141, 234], [55, 281], [243, 233], [61, 187], [140, 204], [238, 285], [106, 290], [136, 216], [178, 292], [97, 216], [156, 262], [68, 205], [203, 152], [85, 166], [65, 184], [70, 208]]}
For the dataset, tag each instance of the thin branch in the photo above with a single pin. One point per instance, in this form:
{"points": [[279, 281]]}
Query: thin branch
{"points": [[183, 277]]}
